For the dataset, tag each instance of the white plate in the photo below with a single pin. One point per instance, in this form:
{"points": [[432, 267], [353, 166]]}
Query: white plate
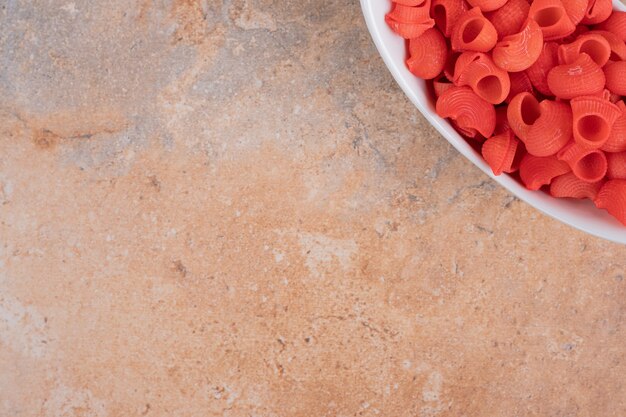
{"points": [[582, 215]]}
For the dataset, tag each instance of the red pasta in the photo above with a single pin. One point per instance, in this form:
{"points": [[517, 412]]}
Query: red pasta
{"points": [[593, 44], [581, 77], [487, 5], [441, 84], [468, 62], [618, 47], [448, 69], [597, 11], [519, 155], [473, 32], [409, 30], [468, 132], [522, 112], [587, 164], [612, 97], [570, 186], [617, 137], [502, 122], [552, 18], [468, 110], [446, 13], [615, 74], [616, 168], [509, 18], [538, 72], [575, 10], [543, 127], [499, 152], [428, 54], [518, 52], [593, 120], [531, 85], [536, 171], [612, 198], [580, 30], [608, 96], [410, 2], [616, 23], [520, 83], [410, 22], [478, 71], [409, 14], [552, 129]]}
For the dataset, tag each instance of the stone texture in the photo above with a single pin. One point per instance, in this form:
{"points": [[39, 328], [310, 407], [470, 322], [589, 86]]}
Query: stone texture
{"points": [[228, 208]]}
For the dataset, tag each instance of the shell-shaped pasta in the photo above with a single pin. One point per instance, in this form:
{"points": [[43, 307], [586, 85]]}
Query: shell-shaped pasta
{"points": [[468, 132], [448, 69], [612, 198], [581, 77], [520, 83], [478, 71], [616, 165], [519, 155], [410, 22], [441, 84], [427, 54], [518, 52], [575, 9], [593, 119], [509, 18], [410, 14], [522, 113], [570, 186], [410, 2], [499, 152], [537, 171], [552, 129], [616, 23], [446, 13], [552, 18], [543, 127], [608, 96], [468, 110], [587, 164], [538, 72], [597, 11], [615, 73], [612, 97], [502, 122], [580, 30], [618, 47], [473, 32], [487, 5], [462, 65], [409, 30], [593, 44], [617, 138]]}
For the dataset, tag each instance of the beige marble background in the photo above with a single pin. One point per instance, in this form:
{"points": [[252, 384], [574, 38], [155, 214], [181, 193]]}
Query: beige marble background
{"points": [[228, 208]]}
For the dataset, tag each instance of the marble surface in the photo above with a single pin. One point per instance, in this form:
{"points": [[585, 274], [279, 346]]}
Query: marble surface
{"points": [[228, 208]]}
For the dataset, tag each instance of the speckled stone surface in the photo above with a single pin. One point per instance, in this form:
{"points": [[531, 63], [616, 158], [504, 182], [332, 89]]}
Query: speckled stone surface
{"points": [[228, 208]]}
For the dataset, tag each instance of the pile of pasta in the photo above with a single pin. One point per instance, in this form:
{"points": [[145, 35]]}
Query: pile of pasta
{"points": [[536, 87]]}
